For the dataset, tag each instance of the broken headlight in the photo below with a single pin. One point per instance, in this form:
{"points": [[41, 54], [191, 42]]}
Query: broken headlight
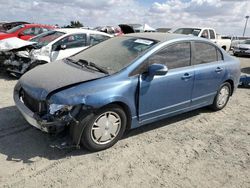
{"points": [[59, 109]]}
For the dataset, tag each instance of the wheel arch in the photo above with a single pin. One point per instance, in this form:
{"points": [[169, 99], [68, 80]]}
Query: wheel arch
{"points": [[125, 108], [231, 82], [224, 47]]}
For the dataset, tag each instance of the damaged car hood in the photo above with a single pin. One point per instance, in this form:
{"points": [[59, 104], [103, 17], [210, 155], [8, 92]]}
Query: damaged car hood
{"points": [[14, 43], [50, 77]]}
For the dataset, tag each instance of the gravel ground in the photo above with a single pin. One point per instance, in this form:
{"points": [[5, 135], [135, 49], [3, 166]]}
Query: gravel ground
{"points": [[197, 149]]}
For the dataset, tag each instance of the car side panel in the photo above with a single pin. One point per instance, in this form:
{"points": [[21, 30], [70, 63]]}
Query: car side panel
{"points": [[101, 92], [163, 95], [208, 78]]}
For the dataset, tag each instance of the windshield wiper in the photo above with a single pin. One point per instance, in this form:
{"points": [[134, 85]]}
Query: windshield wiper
{"points": [[88, 64]]}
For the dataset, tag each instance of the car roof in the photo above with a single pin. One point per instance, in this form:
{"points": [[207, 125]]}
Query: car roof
{"points": [[76, 30], [194, 28], [40, 25], [159, 36]]}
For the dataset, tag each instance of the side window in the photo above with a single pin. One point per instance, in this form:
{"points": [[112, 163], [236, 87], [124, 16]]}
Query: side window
{"points": [[42, 30], [204, 34], [95, 39], [71, 41], [32, 31], [204, 53], [212, 34], [174, 56]]}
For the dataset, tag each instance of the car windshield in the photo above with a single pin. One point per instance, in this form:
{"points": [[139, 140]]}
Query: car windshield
{"points": [[116, 53], [47, 37], [14, 29], [188, 31], [246, 42]]}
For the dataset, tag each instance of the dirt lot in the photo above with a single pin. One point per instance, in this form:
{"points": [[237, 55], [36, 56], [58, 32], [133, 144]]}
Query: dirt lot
{"points": [[196, 149]]}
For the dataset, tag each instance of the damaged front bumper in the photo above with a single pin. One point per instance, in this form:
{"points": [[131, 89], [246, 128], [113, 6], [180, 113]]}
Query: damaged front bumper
{"points": [[17, 62], [38, 122]]}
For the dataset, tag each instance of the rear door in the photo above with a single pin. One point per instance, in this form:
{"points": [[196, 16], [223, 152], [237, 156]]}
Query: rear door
{"points": [[209, 70], [164, 95]]}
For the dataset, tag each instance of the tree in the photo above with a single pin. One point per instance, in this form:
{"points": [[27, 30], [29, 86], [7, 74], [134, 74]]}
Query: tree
{"points": [[74, 24]]}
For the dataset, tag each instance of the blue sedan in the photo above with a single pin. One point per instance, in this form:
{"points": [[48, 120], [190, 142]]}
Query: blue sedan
{"points": [[126, 82]]}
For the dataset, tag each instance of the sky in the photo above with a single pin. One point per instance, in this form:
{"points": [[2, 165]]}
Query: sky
{"points": [[226, 16]]}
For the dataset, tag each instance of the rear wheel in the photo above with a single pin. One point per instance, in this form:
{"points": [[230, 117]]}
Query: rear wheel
{"points": [[105, 128], [222, 97]]}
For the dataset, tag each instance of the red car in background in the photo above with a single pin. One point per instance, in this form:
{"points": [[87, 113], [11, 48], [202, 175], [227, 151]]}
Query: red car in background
{"points": [[26, 31]]}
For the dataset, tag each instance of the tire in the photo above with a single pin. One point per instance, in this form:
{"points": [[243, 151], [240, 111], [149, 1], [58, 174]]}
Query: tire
{"points": [[220, 101], [104, 128]]}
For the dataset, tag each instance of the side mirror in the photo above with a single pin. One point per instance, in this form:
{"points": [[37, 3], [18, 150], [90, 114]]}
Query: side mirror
{"points": [[157, 69], [63, 47]]}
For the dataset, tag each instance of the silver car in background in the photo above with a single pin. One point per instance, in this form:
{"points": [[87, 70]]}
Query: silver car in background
{"points": [[242, 48]]}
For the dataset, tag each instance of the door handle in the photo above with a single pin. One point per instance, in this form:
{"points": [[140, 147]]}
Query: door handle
{"points": [[186, 76], [218, 69]]}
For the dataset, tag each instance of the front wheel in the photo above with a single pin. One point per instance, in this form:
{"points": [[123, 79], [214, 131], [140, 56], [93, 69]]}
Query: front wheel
{"points": [[105, 128], [222, 97]]}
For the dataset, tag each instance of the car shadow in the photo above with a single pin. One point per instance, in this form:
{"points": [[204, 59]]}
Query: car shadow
{"points": [[5, 76], [166, 122], [20, 142]]}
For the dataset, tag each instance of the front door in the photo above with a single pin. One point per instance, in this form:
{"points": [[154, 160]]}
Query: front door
{"points": [[162, 96], [68, 46]]}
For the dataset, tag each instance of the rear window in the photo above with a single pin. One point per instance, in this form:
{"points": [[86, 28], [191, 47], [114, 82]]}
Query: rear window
{"points": [[246, 42], [204, 53], [212, 35]]}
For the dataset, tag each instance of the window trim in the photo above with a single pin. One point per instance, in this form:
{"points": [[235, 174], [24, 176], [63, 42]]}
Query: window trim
{"points": [[132, 73]]}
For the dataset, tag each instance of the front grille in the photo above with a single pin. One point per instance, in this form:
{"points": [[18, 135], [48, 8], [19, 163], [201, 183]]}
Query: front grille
{"points": [[33, 104]]}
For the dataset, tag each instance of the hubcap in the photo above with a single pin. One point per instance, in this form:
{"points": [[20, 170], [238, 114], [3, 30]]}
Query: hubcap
{"points": [[106, 127], [223, 96]]}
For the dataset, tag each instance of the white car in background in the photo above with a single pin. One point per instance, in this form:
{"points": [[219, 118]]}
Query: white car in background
{"points": [[208, 33], [48, 47]]}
